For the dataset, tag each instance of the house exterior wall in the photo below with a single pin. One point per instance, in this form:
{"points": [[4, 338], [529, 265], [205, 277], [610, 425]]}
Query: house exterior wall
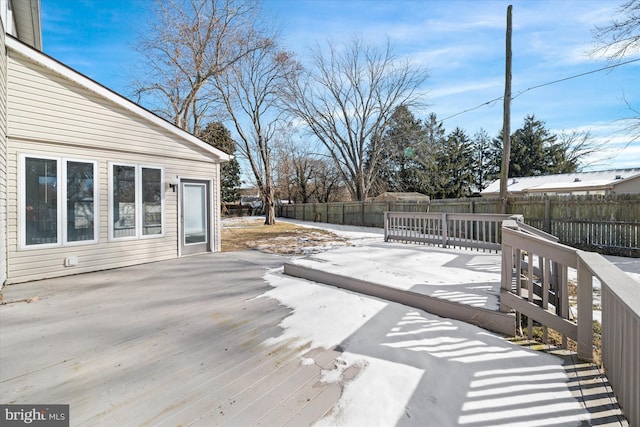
{"points": [[50, 115], [630, 186], [3, 157]]}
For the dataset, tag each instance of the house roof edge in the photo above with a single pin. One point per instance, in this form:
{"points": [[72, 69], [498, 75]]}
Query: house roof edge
{"points": [[86, 82]]}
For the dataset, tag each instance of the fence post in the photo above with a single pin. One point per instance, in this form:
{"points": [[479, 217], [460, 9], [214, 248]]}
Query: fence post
{"points": [[585, 311], [547, 214]]}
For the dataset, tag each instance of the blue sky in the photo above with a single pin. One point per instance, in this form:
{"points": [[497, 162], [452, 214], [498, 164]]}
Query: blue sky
{"points": [[461, 43]]}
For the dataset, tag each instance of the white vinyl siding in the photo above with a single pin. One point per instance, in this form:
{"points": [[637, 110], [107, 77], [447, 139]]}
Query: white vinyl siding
{"points": [[58, 117], [3, 158], [53, 116]]}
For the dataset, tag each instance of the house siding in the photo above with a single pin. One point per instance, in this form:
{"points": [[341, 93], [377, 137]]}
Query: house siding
{"points": [[630, 186], [50, 115], [3, 157]]}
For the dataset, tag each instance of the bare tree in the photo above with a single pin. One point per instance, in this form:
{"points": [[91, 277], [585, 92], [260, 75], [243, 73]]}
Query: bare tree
{"points": [[295, 169], [622, 34], [248, 89], [617, 40], [283, 170], [578, 148], [187, 43], [346, 99], [327, 185]]}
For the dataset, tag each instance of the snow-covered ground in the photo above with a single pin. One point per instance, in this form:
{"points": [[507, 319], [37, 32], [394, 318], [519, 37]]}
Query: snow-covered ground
{"points": [[417, 368], [470, 277]]}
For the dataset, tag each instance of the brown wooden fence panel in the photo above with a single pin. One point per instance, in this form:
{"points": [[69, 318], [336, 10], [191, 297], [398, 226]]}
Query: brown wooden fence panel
{"points": [[605, 224]]}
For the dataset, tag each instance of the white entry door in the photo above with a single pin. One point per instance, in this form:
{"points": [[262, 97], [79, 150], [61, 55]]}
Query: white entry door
{"points": [[194, 217]]}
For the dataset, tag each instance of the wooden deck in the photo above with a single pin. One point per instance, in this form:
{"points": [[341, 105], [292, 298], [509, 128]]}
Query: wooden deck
{"points": [[161, 344], [183, 343]]}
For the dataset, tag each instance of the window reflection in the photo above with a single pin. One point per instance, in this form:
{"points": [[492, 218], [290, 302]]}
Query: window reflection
{"points": [[80, 203], [151, 201], [124, 201], [41, 201]]}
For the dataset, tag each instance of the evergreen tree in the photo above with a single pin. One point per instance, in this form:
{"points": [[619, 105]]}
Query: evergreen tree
{"points": [[530, 149], [218, 136], [435, 145], [402, 151], [481, 168], [455, 166], [534, 151]]}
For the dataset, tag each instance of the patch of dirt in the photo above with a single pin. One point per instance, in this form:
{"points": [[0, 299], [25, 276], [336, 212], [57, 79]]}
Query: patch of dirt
{"points": [[281, 238]]}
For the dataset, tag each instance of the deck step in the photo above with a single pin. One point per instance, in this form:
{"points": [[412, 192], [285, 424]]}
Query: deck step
{"points": [[495, 321]]}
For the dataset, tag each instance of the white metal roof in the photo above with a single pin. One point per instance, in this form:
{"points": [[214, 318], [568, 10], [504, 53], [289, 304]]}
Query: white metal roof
{"points": [[578, 181]]}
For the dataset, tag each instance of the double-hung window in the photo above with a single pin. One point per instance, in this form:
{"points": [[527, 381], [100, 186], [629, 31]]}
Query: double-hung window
{"points": [[57, 201], [136, 201]]}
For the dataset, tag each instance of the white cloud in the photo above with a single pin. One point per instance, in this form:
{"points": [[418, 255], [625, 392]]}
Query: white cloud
{"points": [[488, 86]]}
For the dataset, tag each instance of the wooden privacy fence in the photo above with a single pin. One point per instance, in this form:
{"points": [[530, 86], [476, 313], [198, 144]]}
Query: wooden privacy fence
{"points": [[474, 231], [606, 224], [535, 271]]}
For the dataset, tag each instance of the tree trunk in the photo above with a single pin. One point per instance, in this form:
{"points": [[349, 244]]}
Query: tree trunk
{"points": [[269, 205]]}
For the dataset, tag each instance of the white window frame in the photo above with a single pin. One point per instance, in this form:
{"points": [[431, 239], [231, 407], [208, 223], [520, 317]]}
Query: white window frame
{"points": [[96, 201], [138, 204], [61, 196]]}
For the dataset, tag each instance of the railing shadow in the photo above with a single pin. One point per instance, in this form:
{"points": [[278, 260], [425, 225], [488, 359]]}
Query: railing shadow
{"points": [[475, 378]]}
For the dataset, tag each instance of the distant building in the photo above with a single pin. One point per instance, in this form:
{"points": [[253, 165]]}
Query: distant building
{"points": [[250, 197], [615, 181], [390, 196]]}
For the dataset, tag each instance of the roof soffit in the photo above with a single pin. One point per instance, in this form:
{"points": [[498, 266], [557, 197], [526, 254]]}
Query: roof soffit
{"points": [[26, 14]]}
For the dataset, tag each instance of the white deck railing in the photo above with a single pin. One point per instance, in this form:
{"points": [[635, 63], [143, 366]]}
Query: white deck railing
{"points": [[535, 284], [472, 231]]}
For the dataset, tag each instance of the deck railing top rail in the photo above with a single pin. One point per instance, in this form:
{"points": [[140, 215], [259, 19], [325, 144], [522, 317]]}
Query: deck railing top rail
{"points": [[535, 284], [469, 231]]}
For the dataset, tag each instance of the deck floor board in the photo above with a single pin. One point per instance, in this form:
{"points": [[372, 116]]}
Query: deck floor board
{"points": [[182, 342]]}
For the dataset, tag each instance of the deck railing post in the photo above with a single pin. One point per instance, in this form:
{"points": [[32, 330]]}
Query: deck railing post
{"points": [[506, 274], [444, 230], [585, 311], [386, 226], [506, 278]]}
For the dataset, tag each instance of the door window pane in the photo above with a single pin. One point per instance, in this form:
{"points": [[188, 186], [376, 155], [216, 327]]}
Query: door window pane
{"points": [[151, 201], [124, 201], [41, 201], [80, 203], [195, 214]]}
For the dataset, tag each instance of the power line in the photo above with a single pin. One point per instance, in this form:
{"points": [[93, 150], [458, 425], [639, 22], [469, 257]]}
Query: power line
{"points": [[577, 75], [541, 85]]}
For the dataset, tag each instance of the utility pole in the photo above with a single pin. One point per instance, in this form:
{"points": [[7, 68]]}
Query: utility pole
{"points": [[506, 124]]}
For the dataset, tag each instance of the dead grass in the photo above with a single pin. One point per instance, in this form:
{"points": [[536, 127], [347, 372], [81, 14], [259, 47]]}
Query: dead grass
{"points": [[281, 237], [554, 339]]}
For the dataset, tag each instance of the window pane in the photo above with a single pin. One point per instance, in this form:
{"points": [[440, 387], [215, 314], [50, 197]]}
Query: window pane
{"points": [[80, 217], [151, 201], [195, 217], [41, 201], [124, 201]]}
